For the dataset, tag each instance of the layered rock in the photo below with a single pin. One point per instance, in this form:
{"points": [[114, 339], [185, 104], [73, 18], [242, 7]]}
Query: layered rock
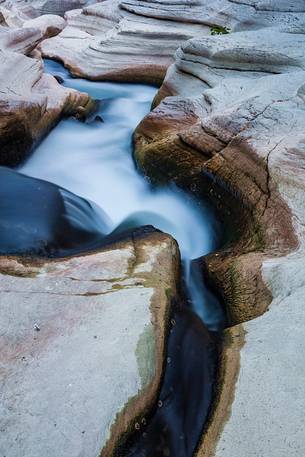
{"points": [[230, 116], [82, 345], [229, 122], [36, 8], [135, 40], [31, 103], [17, 16], [119, 43]]}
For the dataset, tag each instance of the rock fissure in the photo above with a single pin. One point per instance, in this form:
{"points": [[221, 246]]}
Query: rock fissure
{"points": [[258, 188]]}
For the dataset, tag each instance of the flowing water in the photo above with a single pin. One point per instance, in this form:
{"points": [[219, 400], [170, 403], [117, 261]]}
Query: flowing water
{"points": [[94, 160]]}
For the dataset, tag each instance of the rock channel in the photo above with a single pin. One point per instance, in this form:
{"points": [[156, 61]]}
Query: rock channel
{"points": [[228, 122], [74, 329]]}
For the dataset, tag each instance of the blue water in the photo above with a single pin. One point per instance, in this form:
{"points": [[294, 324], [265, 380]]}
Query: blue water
{"points": [[94, 160]]}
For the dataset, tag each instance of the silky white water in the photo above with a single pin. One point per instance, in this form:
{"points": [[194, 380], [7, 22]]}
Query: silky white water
{"points": [[94, 160]]}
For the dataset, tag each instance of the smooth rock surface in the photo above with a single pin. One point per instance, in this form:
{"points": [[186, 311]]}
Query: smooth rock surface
{"points": [[232, 107], [49, 24], [119, 43], [35, 8], [231, 110], [134, 40], [82, 345], [31, 103], [269, 397]]}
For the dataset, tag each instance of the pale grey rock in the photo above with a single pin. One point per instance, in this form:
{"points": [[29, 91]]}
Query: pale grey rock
{"points": [[22, 33], [134, 40], [49, 24], [248, 89], [267, 417], [119, 44], [20, 40], [31, 103], [82, 344], [244, 86]]}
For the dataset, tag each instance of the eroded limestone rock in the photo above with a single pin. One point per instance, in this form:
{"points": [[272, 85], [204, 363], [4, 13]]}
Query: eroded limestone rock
{"points": [[119, 43], [82, 345], [239, 99], [134, 40], [232, 124], [240, 123], [31, 103]]}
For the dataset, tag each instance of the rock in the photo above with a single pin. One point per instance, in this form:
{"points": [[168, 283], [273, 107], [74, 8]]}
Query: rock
{"points": [[141, 36], [175, 425], [21, 30], [21, 8], [239, 132], [55, 222], [229, 122], [20, 40], [141, 46], [49, 24], [112, 305], [31, 103], [14, 15], [268, 397], [58, 6]]}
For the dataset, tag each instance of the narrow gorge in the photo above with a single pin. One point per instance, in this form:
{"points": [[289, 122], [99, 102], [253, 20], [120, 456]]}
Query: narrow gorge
{"points": [[152, 228]]}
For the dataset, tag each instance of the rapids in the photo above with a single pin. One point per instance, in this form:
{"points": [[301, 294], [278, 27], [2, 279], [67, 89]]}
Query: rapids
{"points": [[93, 179], [94, 160]]}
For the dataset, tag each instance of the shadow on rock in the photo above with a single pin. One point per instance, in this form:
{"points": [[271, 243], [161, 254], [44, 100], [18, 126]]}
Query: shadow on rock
{"points": [[177, 422]]}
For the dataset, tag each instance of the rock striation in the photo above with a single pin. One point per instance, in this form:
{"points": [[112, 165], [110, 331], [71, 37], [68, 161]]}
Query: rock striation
{"points": [[121, 41], [82, 345], [31, 102], [135, 40], [229, 122]]}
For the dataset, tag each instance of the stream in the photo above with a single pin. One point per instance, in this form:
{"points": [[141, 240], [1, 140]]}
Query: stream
{"points": [[89, 170]]}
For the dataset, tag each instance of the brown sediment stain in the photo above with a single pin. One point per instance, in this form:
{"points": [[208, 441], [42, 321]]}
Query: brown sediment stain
{"points": [[163, 277], [229, 366], [148, 73], [136, 409], [166, 290], [237, 181]]}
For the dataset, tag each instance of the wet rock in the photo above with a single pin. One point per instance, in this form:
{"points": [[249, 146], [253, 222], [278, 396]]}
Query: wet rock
{"points": [[231, 126], [40, 218], [184, 402], [268, 394], [59, 79], [243, 142], [241, 134], [31, 103], [78, 383]]}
